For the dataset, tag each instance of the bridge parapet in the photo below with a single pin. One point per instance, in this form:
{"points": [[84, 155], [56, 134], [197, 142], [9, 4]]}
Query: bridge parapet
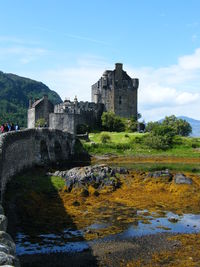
{"points": [[24, 149]]}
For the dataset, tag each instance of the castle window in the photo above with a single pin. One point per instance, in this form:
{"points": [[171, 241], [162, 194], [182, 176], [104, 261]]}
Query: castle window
{"points": [[120, 100]]}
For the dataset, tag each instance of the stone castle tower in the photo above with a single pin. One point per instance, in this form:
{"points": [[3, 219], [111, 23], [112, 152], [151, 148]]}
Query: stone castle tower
{"points": [[117, 91]]}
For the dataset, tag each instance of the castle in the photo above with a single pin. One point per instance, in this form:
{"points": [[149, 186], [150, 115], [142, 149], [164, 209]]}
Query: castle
{"points": [[115, 91]]}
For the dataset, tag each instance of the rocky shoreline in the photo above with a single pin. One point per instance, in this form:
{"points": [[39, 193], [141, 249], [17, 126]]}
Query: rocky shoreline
{"points": [[7, 246]]}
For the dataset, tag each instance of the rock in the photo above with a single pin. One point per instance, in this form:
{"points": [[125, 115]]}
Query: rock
{"points": [[5, 249], [164, 175], [180, 178], [5, 239], [98, 176], [3, 223], [6, 259], [173, 220]]}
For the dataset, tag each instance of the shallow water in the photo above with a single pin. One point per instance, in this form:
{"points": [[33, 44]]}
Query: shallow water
{"points": [[73, 240]]}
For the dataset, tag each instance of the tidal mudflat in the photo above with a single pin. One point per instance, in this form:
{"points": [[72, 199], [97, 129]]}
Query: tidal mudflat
{"points": [[149, 220]]}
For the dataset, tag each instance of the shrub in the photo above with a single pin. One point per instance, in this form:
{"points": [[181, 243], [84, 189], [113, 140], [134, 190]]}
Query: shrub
{"points": [[40, 122], [112, 123], [132, 125], [105, 138], [161, 137], [181, 127], [151, 125]]}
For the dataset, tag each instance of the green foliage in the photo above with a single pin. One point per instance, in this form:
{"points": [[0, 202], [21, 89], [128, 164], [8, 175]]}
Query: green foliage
{"points": [[136, 146], [105, 138], [15, 92], [161, 137], [132, 125], [40, 122], [112, 123], [181, 127], [151, 125]]}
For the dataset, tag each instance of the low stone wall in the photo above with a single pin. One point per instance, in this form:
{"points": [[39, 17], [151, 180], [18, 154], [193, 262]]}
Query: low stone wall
{"points": [[24, 149]]}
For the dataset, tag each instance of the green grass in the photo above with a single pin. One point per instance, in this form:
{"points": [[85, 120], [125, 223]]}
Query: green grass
{"points": [[178, 167], [132, 144]]}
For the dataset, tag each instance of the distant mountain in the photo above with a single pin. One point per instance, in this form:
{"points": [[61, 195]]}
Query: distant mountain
{"points": [[195, 124], [15, 92]]}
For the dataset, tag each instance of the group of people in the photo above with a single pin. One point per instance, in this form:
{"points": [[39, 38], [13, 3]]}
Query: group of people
{"points": [[7, 127]]}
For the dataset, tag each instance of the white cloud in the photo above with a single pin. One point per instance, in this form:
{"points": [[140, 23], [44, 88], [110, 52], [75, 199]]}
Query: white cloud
{"points": [[190, 62]]}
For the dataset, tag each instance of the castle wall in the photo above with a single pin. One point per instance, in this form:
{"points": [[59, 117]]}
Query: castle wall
{"points": [[24, 149], [83, 113]]}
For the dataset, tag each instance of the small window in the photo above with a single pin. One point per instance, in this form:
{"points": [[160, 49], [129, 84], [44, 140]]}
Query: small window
{"points": [[120, 100]]}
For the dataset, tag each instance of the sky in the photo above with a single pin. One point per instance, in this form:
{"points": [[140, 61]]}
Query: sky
{"points": [[69, 44]]}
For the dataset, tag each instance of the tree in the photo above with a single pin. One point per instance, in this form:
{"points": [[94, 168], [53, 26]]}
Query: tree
{"points": [[112, 123], [151, 125], [160, 137], [181, 127]]}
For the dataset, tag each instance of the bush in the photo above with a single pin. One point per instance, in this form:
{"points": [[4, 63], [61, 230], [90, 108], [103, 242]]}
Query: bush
{"points": [[151, 125], [41, 122], [105, 138], [132, 125], [161, 137], [112, 123], [181, 127]]}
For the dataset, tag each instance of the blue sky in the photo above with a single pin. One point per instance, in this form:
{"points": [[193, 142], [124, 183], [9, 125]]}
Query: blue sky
{"points": [[68, 44]]}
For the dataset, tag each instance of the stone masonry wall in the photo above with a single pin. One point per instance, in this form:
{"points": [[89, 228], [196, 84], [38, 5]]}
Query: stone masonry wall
{"points": [[24, 149]]}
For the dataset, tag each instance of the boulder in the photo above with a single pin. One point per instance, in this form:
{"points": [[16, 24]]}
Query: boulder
{"points": [[6, 239], [164, 175], [98, 176], [180, 178], [6, 259]]}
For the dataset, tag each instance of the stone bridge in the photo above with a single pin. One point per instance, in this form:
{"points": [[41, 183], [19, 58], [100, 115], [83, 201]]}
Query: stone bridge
{"points": [[30, 147]]}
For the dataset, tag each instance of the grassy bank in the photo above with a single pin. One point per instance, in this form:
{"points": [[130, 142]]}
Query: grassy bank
{"points": [[133, 144]]}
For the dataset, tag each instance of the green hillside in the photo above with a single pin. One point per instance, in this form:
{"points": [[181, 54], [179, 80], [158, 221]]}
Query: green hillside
{"points": [[15, 92]]}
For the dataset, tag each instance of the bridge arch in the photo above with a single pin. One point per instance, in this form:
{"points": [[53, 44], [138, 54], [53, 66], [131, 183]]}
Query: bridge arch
{"points": [[24, 149]]}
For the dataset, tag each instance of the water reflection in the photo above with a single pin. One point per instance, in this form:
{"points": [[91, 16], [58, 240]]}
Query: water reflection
{"points": [[72, 240]]}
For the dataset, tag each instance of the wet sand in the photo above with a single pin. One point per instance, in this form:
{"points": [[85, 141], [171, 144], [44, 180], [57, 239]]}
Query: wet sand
{"points": [[115, 253]]}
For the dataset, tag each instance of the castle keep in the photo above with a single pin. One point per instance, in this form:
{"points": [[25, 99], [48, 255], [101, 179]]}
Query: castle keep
{"points": [[115, 91]]}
